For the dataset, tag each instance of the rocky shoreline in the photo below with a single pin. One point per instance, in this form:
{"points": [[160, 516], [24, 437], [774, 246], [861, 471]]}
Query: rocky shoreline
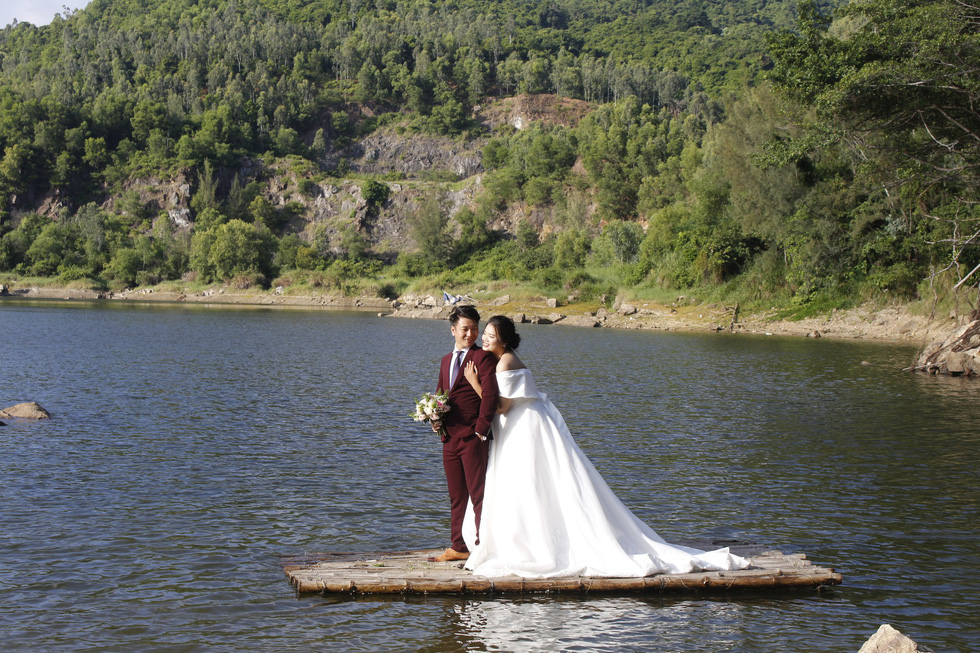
{"points": [[891, 323]]}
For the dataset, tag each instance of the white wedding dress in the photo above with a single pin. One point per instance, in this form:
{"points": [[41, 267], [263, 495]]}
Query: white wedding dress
{"points": [[548, 513]]}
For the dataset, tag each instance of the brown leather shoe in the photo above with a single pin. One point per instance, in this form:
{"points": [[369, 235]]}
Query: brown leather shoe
{"points": [[449, 555]]}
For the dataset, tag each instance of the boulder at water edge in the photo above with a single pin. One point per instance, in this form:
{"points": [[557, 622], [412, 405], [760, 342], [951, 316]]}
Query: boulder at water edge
{"points": [[26, 410], [889, 640], [958, 354]]}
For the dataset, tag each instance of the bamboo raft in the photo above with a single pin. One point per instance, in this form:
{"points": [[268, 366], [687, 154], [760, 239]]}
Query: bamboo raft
{"points": [[410, 572]]}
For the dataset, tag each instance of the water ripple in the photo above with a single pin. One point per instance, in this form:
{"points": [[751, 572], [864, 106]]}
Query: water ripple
{"points": [[190, 448]]}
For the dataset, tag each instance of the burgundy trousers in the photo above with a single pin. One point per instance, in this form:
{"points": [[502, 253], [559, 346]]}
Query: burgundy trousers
{"points": [[465, 461]]}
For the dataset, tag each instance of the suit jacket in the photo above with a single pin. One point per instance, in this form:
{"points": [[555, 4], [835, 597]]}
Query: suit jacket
{"points": [[468, 413]]}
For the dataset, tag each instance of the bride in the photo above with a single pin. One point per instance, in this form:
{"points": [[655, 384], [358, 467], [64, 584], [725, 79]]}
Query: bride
{"points": [[546, 510]]}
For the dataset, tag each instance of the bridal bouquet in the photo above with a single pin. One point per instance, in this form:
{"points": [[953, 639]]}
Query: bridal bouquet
{"points": [[431, 407]]}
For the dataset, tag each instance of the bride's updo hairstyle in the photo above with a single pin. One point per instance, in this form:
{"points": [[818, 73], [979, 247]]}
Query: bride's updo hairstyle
{"points": [[506, 332]]}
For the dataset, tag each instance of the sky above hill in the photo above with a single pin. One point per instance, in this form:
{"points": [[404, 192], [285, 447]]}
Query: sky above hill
{"points": [[39, 12]]}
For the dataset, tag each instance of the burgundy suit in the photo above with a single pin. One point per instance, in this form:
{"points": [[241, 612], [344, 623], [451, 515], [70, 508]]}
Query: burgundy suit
{"points": [[464, 455]]}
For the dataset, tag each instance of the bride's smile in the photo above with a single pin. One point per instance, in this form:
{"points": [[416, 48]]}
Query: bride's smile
{"points": [[491, 342]]}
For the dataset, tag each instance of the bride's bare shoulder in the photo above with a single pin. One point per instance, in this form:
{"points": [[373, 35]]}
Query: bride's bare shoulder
{"points": [[509, 361]]}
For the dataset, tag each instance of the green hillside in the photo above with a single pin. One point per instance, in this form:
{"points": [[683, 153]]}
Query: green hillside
{"points": [[721, 146]]}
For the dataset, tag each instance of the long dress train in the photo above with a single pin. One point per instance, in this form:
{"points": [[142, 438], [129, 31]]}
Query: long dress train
{"points": [[547, 512]]}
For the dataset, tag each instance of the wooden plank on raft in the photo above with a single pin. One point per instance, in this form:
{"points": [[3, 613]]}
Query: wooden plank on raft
{"points": [[409, 572]]}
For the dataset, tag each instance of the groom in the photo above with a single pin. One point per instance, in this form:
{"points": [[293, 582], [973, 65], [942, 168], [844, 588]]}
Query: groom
{"points": [[465, 446]]}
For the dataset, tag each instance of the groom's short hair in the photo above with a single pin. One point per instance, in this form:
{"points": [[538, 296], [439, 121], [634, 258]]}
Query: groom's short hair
{"points": [[467, 311]]}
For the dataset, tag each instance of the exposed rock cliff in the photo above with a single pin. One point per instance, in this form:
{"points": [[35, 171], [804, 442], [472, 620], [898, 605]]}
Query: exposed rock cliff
{"points": [[413, 155]]}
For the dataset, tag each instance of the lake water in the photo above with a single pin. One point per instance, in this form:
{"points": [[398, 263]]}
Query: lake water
{"points": [[192, 446]]}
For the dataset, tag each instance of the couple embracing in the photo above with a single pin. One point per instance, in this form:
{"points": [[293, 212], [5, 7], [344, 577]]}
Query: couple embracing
{"points": [[525, 500]]}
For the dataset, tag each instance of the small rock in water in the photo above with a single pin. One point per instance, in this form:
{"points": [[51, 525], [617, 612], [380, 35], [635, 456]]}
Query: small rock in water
{"points": [[889, 640], [866, 363], [26, 410]]}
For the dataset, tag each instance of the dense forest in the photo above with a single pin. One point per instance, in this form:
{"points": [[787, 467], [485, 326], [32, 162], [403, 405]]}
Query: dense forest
{"points": [[809, 155]]}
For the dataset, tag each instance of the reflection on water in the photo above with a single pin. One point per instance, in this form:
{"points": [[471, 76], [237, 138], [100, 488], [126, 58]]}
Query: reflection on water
{"points": [[191, 447], [599, 624]]}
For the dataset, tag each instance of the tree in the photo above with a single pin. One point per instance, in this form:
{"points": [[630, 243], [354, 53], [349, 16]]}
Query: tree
{"points": [[619, 242], [56, 247], [12, 179], [375, 193], [319, 146], [235, 204], [148, 115], [354, 245], [896, 82], [428, 228], [763, 194], [367, 82], [571, 249], [125, 264], [232, 249], [206, 195], [474, 235], [16, 243]]}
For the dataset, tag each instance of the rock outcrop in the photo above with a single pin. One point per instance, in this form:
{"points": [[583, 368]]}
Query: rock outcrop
{"points": [[957, 355], [412, 155], [522, 110], [26, 410]]}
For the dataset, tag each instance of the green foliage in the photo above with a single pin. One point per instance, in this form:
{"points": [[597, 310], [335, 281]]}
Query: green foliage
{"points": [[619, 242], [856, 177], [262, 212], [571, 249], [126, 263], [229, 250], [287, 252], [56, 247], [307, 187], [353, 244], [894, 88], [538, 190], [527, 236], [375, 192], [69, 273], [208, 218], [429, 229], [206, 195], [414, 265], [474, 234]]}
